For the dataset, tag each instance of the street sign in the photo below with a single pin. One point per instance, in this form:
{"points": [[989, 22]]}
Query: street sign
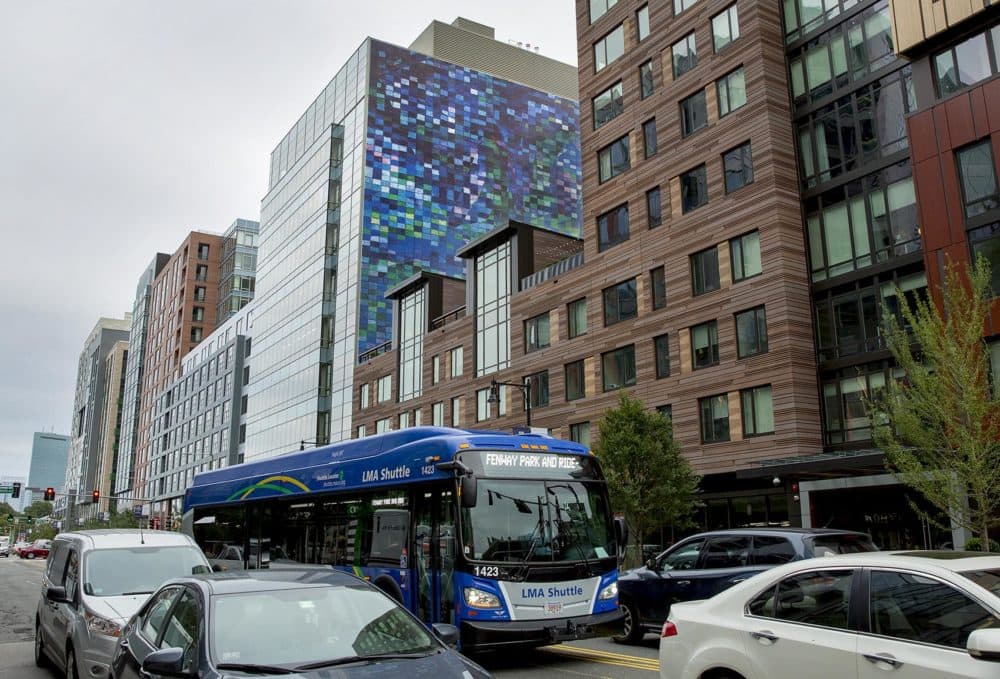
{"points": [[137, 512]]}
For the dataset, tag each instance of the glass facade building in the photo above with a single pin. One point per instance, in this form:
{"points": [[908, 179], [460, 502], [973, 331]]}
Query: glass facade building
{"points": [[401, 160], [239, 267], [48, 463]]}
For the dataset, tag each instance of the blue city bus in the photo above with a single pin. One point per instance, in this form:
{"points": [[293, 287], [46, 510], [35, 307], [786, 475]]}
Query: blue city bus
{"points": [[509, 537]]}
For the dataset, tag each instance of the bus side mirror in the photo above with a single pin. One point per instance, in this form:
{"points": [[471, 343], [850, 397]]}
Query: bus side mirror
{"points": [[621, 533], [467, 487]]}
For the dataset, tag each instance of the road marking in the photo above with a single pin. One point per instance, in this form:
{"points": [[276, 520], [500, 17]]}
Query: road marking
{"points": [[621, 659]]}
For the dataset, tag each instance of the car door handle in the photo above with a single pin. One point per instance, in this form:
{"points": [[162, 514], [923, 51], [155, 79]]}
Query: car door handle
{"points": [[883, 658], [683, 583], [765, 635], [735, 580]]}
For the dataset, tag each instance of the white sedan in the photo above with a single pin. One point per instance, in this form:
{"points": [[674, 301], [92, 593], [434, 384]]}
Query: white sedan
{"points": [[898, 615]]}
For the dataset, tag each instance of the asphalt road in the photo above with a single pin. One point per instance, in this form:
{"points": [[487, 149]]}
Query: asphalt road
{"points": [[20, 587]]}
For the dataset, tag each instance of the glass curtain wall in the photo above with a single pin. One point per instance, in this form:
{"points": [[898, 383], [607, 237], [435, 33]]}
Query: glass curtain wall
{"points": [[493, 290], [411, 344]]}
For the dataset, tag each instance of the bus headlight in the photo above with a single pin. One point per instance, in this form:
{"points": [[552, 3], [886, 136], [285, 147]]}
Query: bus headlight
{"points": [[477, 598], [609, 592]]}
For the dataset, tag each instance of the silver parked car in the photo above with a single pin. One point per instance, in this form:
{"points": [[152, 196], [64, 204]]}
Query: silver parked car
{"points": [[94, 582]]}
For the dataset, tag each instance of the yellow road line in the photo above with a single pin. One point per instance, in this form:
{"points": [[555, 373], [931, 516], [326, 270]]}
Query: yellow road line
{"points": [[606, 657]]}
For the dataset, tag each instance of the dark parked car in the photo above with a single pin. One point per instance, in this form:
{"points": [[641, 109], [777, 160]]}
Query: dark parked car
{"points": [[703, 565], [310, 622]]}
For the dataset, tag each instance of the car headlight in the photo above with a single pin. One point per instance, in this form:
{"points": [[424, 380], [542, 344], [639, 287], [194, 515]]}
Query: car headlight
{"points": [[609, 592], [477, 598], [99, 625]]}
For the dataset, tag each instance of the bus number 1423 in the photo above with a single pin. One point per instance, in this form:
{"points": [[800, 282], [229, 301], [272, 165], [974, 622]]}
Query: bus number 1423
{"points": [[487, 571]]}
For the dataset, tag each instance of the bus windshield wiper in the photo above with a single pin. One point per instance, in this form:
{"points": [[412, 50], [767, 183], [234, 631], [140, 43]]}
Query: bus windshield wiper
{"points": [[346, 660], [252, 668]]}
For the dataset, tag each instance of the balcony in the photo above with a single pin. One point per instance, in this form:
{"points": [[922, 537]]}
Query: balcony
{"points": [[551, 271], [447, 318], [373, 352]]}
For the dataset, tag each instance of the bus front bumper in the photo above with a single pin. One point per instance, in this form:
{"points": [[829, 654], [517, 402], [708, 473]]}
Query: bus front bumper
{"points": [[481, 635]]}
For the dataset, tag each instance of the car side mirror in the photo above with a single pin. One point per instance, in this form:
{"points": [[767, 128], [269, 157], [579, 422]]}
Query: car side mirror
{"points": [[651, 564], [445, 632], [468, 487], [167, 662], [218, 568], [57, 595], [984, 644]]}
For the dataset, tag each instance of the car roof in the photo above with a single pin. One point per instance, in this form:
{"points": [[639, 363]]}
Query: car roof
{"points": [[295, 577], [957, 562], [778, 530], [107, 538]]}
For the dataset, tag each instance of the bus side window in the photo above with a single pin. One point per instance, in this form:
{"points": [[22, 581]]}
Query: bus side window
{"points": [[389, 530]]}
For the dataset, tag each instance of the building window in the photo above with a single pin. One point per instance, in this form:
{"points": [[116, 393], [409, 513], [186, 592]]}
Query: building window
{"points": [[868, 221], [666, 411], [435, 369], [198, 314], [539, 388], [751, 332], [608, 105], [411, 344], [492, 297], [737, 166], [642, 22], [199, 293], [694, 189], [758, 411], [618, 368], [456, 412], [661, 348], [653, 211], [613, 159], [681, 5], [620, 302], [577, 317], [361, 431], [609, 48], [844, 394], [649, 137], [202, 250], [658, 286], [705, 271], [978, 176], [364, 395], [725, 28], [196, 334], [694, 115], [575, 382], [383, 425], [536, 332], [437, 414], [456, 358], [404, 420], [384, 389], [646, 84], [744, 251], [965, 64], [684, 54], [483, 404], [732, 92], [705, 345], [201, 273], [985, 241], [714, 417], [612, 227], [599, 8], [580, 432]]}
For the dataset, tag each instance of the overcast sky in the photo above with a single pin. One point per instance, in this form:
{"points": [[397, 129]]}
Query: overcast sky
{"points": [[125, 125]]}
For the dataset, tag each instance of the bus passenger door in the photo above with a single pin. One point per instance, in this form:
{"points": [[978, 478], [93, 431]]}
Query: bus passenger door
{"points": [[434, 556]]}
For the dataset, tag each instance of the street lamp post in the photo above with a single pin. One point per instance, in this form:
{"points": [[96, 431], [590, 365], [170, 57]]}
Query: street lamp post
{"points": [[494, 397]]}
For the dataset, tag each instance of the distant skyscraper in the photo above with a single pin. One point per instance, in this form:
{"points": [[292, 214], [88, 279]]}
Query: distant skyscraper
{"points": [[85, 461], [239, 267], [48, 463], [404, 157]]}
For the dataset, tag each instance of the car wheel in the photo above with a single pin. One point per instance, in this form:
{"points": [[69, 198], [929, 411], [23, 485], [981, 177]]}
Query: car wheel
{"points": [[71, 672], [31, 555], [40, 659], [632, 632]]}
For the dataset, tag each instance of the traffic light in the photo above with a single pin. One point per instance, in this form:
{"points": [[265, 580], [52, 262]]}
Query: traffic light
{"points": [[16, 492], [95, 497], [50, 494]]}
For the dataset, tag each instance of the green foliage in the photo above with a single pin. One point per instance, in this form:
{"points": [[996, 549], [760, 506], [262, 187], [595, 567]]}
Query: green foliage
{"points": [[123, 519], [6, 509], [38, 509], [976, 545], [649, 480], [43, 532], [940, 424]]}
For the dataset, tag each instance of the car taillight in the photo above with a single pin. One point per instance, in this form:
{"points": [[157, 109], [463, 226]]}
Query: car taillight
{"points": [[669, 630]]}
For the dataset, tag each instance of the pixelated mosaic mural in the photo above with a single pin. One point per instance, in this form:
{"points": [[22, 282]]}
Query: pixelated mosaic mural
{"points": [[451, 154]]}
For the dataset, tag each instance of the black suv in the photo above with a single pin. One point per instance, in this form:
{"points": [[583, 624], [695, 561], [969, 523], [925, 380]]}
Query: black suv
{"points": [[703, 565]]}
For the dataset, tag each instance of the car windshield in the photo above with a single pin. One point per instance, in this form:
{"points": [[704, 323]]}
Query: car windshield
{"points": [[311, 624], [986, 579], [538, 521], [138, 570], [845, 543]]}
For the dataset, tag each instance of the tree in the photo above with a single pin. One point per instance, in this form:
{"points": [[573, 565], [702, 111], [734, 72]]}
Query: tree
{"points": [[939, 424], [649, 480], [7, 509], [38, 509]]}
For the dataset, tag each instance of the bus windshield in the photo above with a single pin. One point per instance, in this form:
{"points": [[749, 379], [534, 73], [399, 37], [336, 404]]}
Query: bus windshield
{"points": [[529, 521]]}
